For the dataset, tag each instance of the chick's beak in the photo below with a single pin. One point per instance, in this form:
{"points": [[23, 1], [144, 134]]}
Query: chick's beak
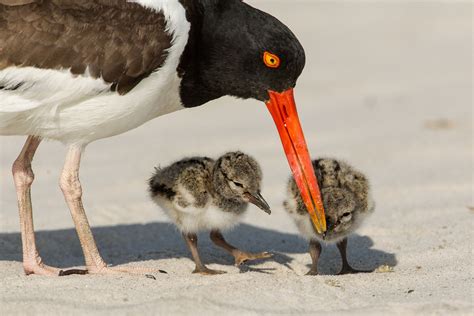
{"points": [[258, 200], [283, 110]]}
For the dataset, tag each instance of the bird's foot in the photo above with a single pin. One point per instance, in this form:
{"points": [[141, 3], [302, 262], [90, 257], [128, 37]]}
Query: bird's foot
{"points": [[242, 257], [206, 271], [39, 268], [312, 272], [103, 269], [347, 269], [36, 266]]}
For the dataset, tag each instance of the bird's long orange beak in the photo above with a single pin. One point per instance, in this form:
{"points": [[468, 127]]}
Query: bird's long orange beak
{"points": [[283, 109]]}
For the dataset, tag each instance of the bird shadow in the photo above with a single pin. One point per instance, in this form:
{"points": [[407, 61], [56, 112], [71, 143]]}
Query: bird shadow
{"points": [[123, 244]]}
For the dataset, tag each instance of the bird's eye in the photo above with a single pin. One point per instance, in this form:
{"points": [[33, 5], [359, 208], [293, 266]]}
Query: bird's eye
{"points": [[240, 185], [271, 60], [346, 214]]}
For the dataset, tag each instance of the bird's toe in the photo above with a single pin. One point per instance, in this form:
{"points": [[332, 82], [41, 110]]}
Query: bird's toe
{"points": [[143, 271], [36, 266], [244, 257]]}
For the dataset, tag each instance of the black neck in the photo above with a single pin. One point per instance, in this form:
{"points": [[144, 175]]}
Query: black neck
{"points": [[194, 92]]}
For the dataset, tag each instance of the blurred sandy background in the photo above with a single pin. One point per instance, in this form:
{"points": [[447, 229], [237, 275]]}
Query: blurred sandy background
{"points": [[387, 86]]}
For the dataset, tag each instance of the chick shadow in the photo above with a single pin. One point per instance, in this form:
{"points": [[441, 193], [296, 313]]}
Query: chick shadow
{"points": [[122, 244], [360, 254]]}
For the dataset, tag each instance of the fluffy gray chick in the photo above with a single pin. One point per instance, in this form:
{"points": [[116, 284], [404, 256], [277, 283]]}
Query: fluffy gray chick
{"points": [[202, 194], [347, 202]]}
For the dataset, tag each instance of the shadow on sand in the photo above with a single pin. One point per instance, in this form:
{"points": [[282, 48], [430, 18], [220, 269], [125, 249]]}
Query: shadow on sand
{"points": [[130, 243]]}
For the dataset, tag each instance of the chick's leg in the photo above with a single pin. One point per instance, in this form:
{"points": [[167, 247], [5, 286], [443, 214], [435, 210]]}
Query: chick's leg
{"points": [[346, 267], [314, 252], [191, 241]]}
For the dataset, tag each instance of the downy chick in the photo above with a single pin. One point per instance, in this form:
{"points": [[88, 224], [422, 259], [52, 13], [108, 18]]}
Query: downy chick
{"points": [[347, 202], [202, 194]]}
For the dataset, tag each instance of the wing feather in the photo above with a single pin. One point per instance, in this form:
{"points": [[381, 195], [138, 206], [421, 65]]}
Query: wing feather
{"points": [[118, 41]]}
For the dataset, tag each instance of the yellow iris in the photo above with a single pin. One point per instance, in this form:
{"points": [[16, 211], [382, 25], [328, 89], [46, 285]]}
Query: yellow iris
{"points": [[271, 60]]}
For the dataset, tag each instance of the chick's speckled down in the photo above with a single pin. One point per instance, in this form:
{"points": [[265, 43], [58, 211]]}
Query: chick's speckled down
{"points": [[346, 197]]}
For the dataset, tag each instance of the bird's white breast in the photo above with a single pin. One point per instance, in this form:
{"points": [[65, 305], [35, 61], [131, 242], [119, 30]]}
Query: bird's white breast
{"points": [[192, 219], [55, 104]]}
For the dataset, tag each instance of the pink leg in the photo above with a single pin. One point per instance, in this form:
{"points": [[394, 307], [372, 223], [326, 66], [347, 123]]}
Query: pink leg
{"points": [[72, 191], [23, 177]]}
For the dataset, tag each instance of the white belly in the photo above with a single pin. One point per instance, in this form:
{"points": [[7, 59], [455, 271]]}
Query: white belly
{"points": [[193, 220]]}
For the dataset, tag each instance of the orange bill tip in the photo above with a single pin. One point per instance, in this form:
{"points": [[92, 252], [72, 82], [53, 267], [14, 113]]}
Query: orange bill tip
{"points": [[282, 107]]}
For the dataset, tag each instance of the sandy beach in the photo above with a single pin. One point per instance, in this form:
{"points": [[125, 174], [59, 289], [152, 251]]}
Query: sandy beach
{"points": [[387, 87]]}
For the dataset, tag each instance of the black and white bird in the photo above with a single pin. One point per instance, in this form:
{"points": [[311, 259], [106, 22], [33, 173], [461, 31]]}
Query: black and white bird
{"points": [[347, 202], [79, 71], [199, 194]]}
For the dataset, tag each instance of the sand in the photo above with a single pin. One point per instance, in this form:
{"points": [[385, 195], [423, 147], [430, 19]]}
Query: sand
{"points": [[387, 86]]}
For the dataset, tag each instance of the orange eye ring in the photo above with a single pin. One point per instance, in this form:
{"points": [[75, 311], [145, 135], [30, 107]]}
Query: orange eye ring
{"points": [[271, 60]]}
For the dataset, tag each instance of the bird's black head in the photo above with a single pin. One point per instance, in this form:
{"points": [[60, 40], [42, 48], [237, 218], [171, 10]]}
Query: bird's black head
{"points": [[235, 49]]}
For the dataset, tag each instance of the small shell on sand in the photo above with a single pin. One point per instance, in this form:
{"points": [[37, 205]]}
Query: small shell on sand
{"points": [[384, 269], [333, 283]]}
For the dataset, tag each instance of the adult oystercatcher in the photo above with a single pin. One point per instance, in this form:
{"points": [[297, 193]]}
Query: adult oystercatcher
{"points": [[200, 193], [78, 71], [348, 202]]}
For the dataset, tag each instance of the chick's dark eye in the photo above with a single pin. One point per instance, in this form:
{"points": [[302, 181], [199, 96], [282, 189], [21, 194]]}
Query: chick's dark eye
{"points": [[240, 185], [346, 214]]}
